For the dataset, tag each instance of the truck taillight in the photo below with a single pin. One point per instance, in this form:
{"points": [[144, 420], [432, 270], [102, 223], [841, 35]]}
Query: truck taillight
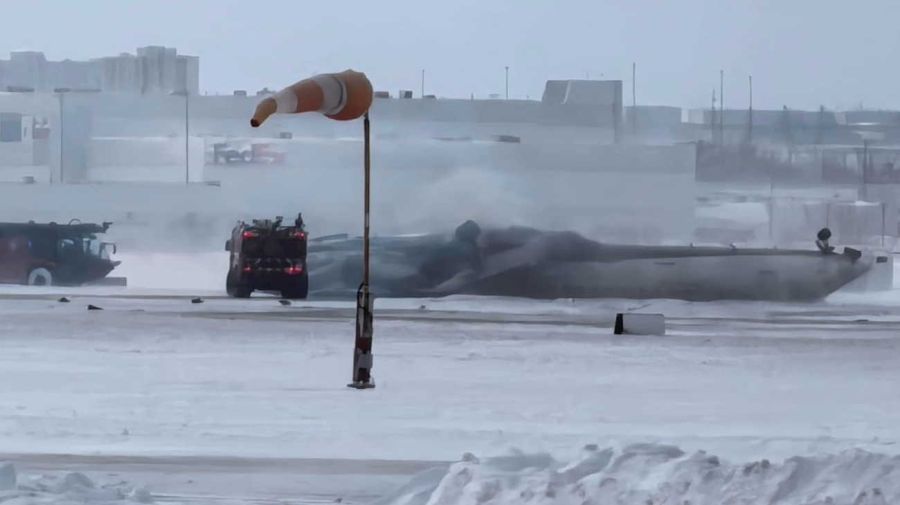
{"points": [[249, 234], [300, 235], [247, 269], [294, 270]]}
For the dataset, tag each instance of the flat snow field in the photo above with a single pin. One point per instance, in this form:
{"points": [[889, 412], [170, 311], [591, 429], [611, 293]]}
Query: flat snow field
{"points": [[245, 400]]}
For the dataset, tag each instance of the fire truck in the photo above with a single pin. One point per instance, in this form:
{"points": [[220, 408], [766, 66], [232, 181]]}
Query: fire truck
{"points": [[51, 254], [268, 255]]}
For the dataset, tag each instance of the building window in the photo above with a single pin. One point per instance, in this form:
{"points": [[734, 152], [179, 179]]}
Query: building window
{"points": [[10, 127]]}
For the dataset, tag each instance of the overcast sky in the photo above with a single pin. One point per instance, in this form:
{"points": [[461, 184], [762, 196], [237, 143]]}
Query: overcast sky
{"points": [[801, 53]]}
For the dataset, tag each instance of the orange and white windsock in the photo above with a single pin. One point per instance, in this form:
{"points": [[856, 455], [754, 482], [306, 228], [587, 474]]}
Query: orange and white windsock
{"points": [[342, 96]]}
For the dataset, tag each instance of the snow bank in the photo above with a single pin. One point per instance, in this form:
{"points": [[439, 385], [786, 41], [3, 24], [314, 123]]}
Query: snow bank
{"points": [[69, 488], [650, 474]]}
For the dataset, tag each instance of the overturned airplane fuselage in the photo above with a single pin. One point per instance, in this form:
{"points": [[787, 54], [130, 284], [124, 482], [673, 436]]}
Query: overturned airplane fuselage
{"points": [[523, 262]]}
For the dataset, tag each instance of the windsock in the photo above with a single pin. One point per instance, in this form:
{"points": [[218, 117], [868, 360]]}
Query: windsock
{"points": [[342, 96]]}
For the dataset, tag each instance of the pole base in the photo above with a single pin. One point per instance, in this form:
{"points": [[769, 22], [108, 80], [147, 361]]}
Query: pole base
{"points": [[361, 385]]}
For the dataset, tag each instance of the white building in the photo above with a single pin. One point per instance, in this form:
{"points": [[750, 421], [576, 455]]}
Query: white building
{"points": [[154, 69]]}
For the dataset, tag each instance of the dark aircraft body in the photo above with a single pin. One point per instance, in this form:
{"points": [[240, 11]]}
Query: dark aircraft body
{"points": [[524, 262]]}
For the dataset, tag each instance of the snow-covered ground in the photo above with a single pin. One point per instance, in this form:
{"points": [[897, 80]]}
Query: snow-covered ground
{"points": [[247, 398], [65, 488], [657, 474]]}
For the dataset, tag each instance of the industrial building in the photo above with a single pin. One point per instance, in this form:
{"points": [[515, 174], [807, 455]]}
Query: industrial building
{"points": [[126, 119], [152, 70]]}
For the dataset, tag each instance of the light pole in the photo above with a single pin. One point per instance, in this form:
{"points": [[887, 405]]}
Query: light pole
{"points": [[750, 113], [62, 140], [187, 152], [507, 82], [722, 107], [60, 92], [634, 98], [187, 131]]}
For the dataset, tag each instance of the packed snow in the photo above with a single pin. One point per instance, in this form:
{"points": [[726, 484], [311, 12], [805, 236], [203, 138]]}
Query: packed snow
{"points": [[651, 474], [65, 489]]}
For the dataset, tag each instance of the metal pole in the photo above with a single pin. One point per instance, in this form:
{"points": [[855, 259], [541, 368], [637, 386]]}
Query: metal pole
{"points": [[507, 82], [61, 141], [865, 168], [634, 98], [367, 160], [187, 155], [771, 207], [771, 215], [362, 355], [750, 122], [722, 106]]}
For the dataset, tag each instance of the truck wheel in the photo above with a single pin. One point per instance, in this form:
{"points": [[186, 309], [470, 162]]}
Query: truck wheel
{"points": [[247, 156], [299, 290], [236, 289], [40, 277]]}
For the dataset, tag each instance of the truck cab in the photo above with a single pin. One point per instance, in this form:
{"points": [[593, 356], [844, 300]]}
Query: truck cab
{"points": [[266, 255]]}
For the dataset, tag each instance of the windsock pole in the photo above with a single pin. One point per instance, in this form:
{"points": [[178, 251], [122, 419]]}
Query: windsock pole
{"points": [[367, 160], [362, 355], [342, 96]]}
